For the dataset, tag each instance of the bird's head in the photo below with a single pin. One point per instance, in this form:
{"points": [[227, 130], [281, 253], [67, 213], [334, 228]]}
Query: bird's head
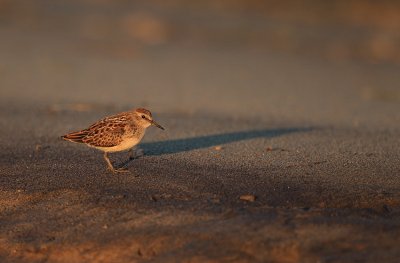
{"points": [[145, 119]]}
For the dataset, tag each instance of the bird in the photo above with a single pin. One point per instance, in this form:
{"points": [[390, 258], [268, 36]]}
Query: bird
{"points": [[115, 133]]}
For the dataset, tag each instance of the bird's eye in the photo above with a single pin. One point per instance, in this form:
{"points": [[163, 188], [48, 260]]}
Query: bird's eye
{"points": [[143, 117]]}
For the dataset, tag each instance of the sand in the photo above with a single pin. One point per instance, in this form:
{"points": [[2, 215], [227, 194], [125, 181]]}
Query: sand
{"points": [[266, 157]]}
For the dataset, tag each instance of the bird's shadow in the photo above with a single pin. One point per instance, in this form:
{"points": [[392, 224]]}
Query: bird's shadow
{"points": [[194, 143]]}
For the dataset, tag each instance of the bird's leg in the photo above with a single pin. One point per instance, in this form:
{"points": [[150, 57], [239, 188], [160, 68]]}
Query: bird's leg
{"points": [[111, 167], [135, 153], [131, 155], [108, 161]]}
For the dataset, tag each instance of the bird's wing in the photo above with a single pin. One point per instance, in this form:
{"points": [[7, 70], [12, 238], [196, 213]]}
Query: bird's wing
{"points": [[107, 132], [77, 136]]}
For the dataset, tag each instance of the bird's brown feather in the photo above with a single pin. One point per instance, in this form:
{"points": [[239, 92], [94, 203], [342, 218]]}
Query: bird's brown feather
{"points": [[107, 132], [76, 136]]}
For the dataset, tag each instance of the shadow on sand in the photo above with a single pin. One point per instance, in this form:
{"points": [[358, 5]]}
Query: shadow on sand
{"points": [[194, 143]]}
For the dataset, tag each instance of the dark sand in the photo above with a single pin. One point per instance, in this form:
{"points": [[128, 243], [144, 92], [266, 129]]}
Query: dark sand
{"points": [[314, 141]]}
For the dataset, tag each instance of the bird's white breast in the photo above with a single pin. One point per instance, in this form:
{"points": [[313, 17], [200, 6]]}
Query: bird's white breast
{"points": [[126, 144]]}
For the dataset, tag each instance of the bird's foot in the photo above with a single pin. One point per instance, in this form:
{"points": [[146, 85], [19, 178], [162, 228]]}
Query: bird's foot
{"points": [[119, 170], [122, 170], [133, 154]]}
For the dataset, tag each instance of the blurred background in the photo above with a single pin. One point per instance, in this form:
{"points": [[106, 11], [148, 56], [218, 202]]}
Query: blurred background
{"points": [[293, 105], [312, 60]]}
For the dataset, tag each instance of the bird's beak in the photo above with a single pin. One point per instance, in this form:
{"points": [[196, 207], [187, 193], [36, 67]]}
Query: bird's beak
{"points": [[157, 125]]}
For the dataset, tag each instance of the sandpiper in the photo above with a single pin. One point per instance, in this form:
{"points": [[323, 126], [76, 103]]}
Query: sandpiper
{"points": [[115, 133]]}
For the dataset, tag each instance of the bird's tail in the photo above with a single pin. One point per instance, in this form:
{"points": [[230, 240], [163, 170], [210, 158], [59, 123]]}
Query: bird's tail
{"points": [[75, 136]]}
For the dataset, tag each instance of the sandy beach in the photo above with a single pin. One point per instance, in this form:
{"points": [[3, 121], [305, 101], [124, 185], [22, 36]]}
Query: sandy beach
{"points": [[269, 155]]}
